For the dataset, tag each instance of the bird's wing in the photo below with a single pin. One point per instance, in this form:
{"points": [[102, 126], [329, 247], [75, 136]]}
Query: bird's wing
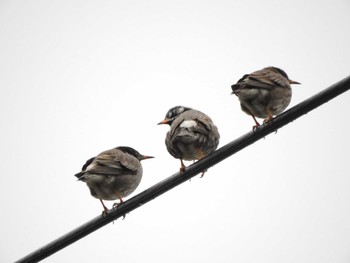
{"points": [[204, 125], [269, 78], [112, 163], [278, 79], [263, 79], [209, 131]]}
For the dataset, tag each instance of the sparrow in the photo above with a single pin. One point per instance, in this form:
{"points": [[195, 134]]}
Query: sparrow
{"points": [[192, 134], [264, 93], [113, 174]]}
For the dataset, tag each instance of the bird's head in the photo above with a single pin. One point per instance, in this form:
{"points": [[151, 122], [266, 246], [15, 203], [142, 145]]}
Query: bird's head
{"points": [[283, 73], [173, 113], [134, 153]]}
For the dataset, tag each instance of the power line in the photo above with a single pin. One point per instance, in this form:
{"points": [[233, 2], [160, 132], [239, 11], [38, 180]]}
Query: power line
{"points": [[192, 170]]}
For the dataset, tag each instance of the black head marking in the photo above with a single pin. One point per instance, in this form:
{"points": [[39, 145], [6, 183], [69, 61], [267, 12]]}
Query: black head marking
{"points": [[280, 71], [134, 153], [88, 162], [239, 84], [130, 151], [174, 112], [83, 169]]}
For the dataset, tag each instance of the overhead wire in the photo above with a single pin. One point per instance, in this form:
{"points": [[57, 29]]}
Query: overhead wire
{"points": [[178, 178]]}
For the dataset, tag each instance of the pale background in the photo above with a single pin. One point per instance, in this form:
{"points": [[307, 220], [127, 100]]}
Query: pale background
{"points": [[80, 77]]}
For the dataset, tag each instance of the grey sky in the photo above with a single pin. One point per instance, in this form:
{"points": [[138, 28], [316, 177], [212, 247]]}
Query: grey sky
{"points": [[80, 77]]}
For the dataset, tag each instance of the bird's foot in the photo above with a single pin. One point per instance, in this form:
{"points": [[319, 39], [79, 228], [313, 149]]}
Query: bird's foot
{"points": [[257, 124], [268, 119], [105, 212], [105, 209], [116, 205], [203, 173], [183, 167], [256, 127]]}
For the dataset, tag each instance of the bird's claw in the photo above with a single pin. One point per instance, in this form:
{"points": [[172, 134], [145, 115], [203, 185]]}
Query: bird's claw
{"points": [[116, 205], [256, 127], [105, 213], [268, 119], [203, 173]]}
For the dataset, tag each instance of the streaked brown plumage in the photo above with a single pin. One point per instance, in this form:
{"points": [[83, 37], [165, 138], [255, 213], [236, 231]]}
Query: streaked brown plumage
{"points": [[113, 174], [264, 93], [192, 134]]}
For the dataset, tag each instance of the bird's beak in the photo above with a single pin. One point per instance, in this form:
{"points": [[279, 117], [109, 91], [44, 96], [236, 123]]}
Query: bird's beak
{"points": [[163, 122], [294, 82], [146, 157]]}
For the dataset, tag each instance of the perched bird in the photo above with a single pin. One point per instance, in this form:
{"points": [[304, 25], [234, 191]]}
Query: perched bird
{"points": [[113, 174], [192, 134], [264, 93]]}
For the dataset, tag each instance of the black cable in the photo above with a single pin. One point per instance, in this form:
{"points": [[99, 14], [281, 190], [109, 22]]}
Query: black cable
{"points": [[192, 170]]}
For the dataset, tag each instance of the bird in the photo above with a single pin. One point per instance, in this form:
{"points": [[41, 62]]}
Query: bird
{"points": [[192, 134], [113, 174], [264, 93]]}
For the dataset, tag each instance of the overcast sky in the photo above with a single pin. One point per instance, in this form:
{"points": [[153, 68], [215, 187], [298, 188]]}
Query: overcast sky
{"points": [[81, 77]]}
